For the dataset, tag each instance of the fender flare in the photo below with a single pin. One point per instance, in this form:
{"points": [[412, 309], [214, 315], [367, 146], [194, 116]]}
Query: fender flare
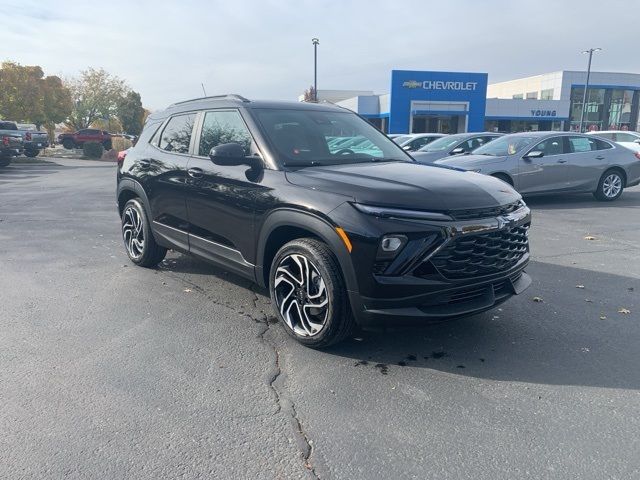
{"points": [[131, 185], [321, 227]]}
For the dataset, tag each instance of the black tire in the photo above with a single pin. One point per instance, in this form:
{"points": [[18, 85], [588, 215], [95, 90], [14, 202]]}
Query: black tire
{"points": [[5, 161], [31, 153], [610, 186], [107, 145], [505, 178], [150, 254], [68, 144], [337, 319]]}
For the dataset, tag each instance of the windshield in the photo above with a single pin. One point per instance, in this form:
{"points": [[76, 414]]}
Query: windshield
{"points": [[504, 146], [305, 138], [443, 143]]}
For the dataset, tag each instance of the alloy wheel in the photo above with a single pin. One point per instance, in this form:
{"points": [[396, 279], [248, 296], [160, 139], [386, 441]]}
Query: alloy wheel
{"points": [[612, 185], [301, 295], [133, 232]]}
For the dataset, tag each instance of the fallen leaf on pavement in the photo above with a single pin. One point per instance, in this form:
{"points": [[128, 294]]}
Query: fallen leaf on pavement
{"points": [[579, 286], [589, 237], [603, 316], [624, 311], [537, 299], [588, 300], [187, 290]]}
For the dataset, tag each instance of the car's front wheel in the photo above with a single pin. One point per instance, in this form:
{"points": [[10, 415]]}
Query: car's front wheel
{"points": [[68, 144], [5, 161], [141, 247], [309, 294], [31, 153], [610, 186]]}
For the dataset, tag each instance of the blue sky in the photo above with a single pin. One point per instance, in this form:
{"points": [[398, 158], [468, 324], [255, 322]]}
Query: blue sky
{"points": [[262, 49]]}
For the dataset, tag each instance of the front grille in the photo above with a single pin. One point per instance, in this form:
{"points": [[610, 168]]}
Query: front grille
{"points": [[482, 254], [477, 213]]}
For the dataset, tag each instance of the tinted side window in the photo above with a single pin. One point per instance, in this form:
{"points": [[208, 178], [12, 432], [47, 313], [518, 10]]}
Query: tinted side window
{"points": [[601, 145], [550, 146], [223, 127], [582, 144], [176, 136], [610, 136]]}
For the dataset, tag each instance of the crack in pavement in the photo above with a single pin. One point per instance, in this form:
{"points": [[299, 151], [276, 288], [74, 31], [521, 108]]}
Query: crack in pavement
{"points": [[275, 378]]}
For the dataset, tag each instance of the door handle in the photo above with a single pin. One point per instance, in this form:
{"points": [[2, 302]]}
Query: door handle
{"points": [[599, 157], [562, 161], [144, 164], [195, 172]]}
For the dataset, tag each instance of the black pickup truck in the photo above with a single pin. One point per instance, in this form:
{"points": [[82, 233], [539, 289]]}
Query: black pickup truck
{"points": [[11, 145], [33, 140]]}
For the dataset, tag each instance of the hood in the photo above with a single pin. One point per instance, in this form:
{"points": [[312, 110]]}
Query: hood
{"points": [[407, 185], [469, 162], [428, 157]]}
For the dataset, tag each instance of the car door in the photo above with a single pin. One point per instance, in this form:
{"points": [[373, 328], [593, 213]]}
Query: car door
{"points": [[588, 158], [220, 198], [162, 171], [546, 173]]}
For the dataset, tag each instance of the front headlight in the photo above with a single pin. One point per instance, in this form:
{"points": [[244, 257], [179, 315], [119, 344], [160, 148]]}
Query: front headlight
{"points": [[401, 213]]}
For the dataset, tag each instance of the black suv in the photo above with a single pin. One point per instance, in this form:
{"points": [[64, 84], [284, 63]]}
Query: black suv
{"points": [[339, 234]]}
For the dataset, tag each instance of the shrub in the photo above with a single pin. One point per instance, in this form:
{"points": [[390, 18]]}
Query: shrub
{"points": [[93, 150], [120, 143]]}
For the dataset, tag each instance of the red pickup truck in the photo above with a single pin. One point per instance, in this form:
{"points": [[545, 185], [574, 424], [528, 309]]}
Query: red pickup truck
{"points": [[79, 138]]}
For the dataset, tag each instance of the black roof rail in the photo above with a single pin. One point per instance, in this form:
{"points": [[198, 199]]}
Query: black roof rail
{"points": [[231, 96]]}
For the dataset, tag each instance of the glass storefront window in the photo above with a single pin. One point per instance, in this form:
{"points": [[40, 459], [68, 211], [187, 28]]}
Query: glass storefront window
{"points": [[595, 116], [620, 110]]}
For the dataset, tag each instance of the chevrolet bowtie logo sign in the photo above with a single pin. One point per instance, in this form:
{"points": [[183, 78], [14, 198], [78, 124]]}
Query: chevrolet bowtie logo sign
{"points": [[412, 84]]}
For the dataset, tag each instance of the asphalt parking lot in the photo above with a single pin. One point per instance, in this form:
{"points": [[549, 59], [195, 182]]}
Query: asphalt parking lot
{"points": [[113, 371]]}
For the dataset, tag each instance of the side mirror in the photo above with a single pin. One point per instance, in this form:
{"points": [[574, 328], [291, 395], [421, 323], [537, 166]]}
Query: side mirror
{"points": [[534, 154], [457, 151], [407, 148], [231, 154]]}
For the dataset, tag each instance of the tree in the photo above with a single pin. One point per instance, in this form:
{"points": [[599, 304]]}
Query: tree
{"points": [[57, 103], [131, 113], [96, 94], [26, 95], [310, 94], [21, 92]]}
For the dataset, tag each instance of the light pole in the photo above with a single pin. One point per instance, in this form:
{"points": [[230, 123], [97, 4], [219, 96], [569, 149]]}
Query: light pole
{"points": [[315, 42], [586, 86]]}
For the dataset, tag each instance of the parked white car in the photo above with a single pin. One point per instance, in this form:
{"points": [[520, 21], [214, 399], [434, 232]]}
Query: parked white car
{"points": [[631, 140], [415, 141]]}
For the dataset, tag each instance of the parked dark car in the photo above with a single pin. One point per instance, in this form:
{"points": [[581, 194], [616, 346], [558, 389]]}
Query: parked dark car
{"points": [[339, 237], [79, 138], [33, 140], [11, 145], [457, 144]]}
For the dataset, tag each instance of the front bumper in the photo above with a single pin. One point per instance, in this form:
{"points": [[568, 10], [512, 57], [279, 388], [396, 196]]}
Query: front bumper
{"points": [[474, 265]]}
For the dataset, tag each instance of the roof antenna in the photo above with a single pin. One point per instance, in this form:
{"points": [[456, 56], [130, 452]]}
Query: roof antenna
{"points": [[203, 90]]}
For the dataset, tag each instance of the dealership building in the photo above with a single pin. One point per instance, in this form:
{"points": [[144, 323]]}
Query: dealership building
{"points": [[454, 102]]}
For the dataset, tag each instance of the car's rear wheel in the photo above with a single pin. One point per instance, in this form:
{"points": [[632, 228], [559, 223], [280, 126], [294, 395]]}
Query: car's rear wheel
{"points": [[610, 186], [141, 247], [107, 144], [68, 144], [31, 153], [5, 161], [309, 294]]}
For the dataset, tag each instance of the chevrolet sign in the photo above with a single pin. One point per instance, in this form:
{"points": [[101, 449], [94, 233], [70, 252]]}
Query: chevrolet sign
{"points": [[441, 85]]}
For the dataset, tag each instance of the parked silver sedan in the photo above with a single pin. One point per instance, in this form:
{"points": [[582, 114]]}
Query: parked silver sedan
{"points": [[548, 162]]}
